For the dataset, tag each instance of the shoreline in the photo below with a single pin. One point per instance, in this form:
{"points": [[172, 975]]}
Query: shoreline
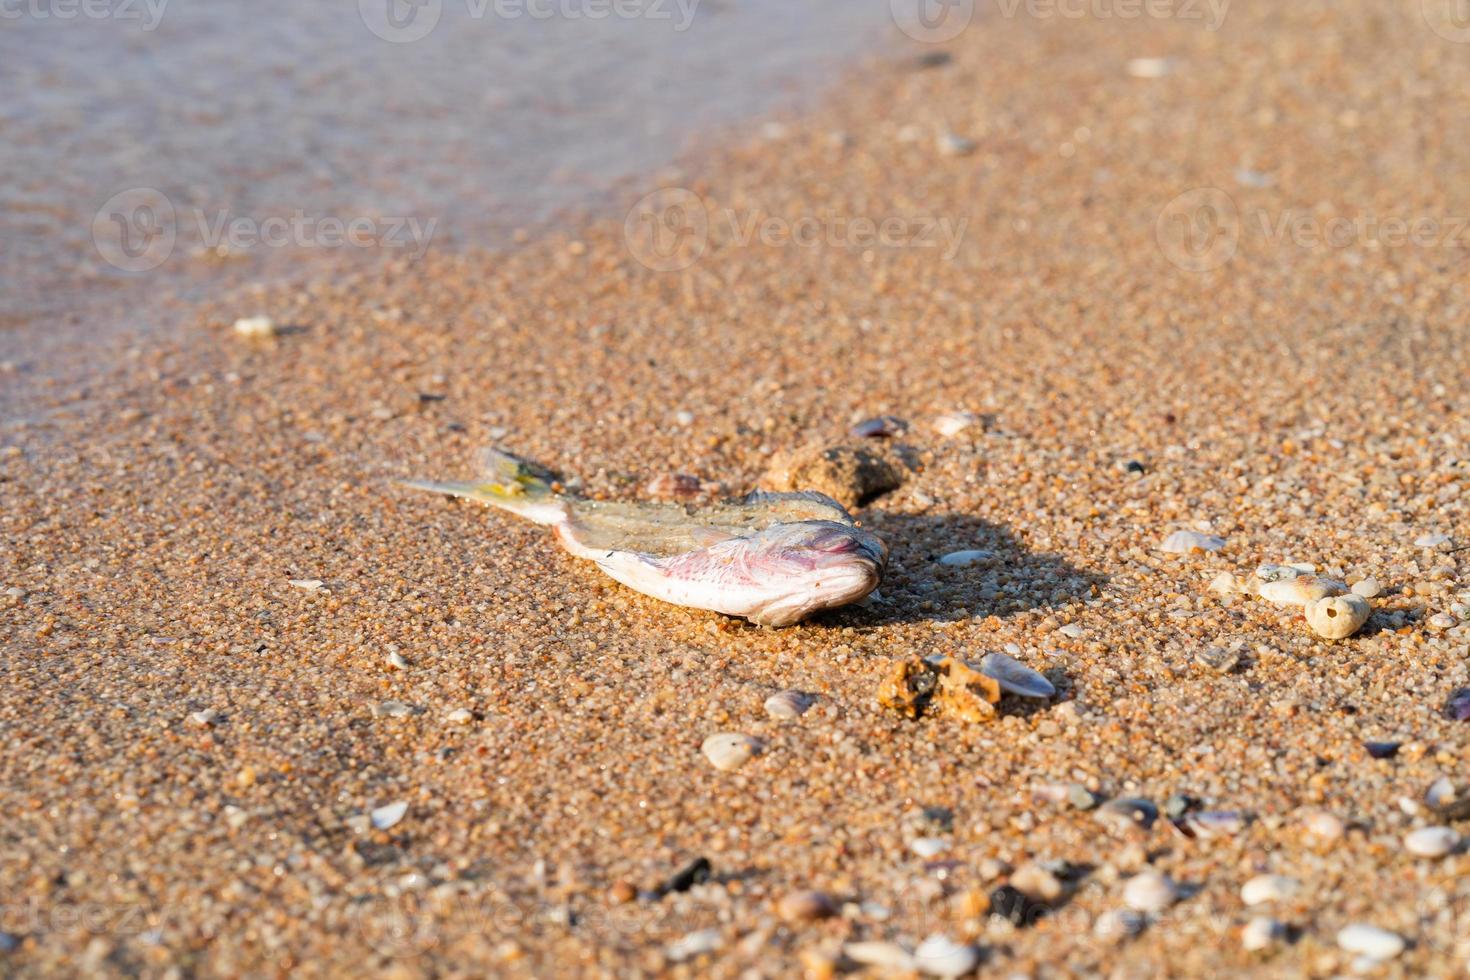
{"points": [[1305, 404]]}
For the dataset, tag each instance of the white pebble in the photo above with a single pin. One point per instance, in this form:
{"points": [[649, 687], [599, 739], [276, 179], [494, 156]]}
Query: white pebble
{"points": [[1431, 842], [1368, 588], [728, 751], [309, 584], [460, 716], [386, 816], [396, 661], [1370, 941], [204, 718], [1149, 891], [1261, 932], [694, 944], [1441, 621], [928, 847], [1432, 541], [953, 423], [890, 956], [1191, 542], [1323, 825], [954, 145], [255, 326], [940, 956], [1073, 631], [1149, 67], [1268, 888], [964, 558], [1118, 924], [684, 418]]}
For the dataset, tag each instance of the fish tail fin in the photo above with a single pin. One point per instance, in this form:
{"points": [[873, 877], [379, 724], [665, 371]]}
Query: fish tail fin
{"points": [[509, 484]]}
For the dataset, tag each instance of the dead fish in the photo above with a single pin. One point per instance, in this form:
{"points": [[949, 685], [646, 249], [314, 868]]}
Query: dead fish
{"points": [[772, 558]]}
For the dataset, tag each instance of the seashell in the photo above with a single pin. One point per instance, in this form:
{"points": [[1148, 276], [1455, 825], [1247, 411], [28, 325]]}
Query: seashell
{"points": [[1037, 883], [890, 956], [1326, 826], [1269, 572], [1432, 541], [1149, 67], [694, 944], [1338, 617], [1431, 842], [728, 751], [1191, 542], [1211, 823], [1300, 590], [953, 423], [882, 427], [1227, 583], [1150, 891], [1368, 588], [928, 847], [787, 705], [1127, 814], [963, 559], [954, 145], [807, 906], [255, 326], [1457, 706], [1268, 888], [388, 815], [1015, 677], [940, 956], [1118, 924], [1261, 932], [460, 716], [1440, 622], [1371, 941], [309, 584], [204, 718]]}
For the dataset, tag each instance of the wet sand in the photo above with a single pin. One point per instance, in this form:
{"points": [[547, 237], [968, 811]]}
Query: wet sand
{"points": [[1305, 403]]}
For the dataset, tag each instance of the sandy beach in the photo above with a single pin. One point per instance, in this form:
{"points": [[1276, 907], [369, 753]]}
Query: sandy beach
{"points": [[1183, 279]]}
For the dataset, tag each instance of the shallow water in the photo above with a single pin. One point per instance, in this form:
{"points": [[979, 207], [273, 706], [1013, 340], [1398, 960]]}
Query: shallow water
{"points": [[156, 148]]}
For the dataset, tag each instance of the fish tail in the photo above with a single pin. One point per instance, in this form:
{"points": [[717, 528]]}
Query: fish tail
{"points": [[508, 484]]}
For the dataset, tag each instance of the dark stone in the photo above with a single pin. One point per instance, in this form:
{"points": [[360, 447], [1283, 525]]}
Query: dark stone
{"points": [[1457, 708], [1382, 750], [1015, 907], [696, 872]]}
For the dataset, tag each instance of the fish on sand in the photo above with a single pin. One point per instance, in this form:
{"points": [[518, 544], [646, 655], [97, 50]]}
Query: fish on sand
{"points": [[771, 558]]}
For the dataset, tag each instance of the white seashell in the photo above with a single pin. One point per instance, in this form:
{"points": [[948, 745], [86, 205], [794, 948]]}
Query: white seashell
{"points": [[1015, 677], [729, 750], [1191, 542], [1300, 591], [1368, 588], [1118, 924], [1036, 882], [1440, 622], [1073, 631], [1213, 823], [889, 956], [255, 326], [928, 847], [309, 584], [1269, 572], [1268, 888], [1370, 941], [1261, 932], [1338, 617], [1431, 842], [1149, 891], [396, 661], [1149, 67], [694, 944], [1441, 793], [1324, 825], [1227, 583], [953, 423], [386, 816], [204, 718], [940, 956], [1432, 541], [787, 705], [963, 559], [460, 716]]}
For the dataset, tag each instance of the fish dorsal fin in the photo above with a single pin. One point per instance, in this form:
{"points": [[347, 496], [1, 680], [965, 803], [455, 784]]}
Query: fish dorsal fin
{"points": [[802, 505]]}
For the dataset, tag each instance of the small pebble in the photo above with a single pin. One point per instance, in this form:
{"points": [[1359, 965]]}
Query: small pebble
{"points": [[1370, 941], [1218, 659], [1268, 888], [1128, 814], [1073, 631], [1431, 842], [1116, 925], [940, 956], [255, 326], [308, 584], [1016, 907], [1037, 882], [1261, 933], [882, 427], [787, 705], [386, 816], [204, 718], [728, 751], [1149, 67], [396, 661], [1191, 543], [962, 559], [621, 893], [805, 906], [1150, 892], [1081, 797], [1368, 588], [928, 847], [954, 145], [693, 945], [1322, 825], [1457, 706], [887, 956], [953, 423], [1382, 750], [1440, 622], [1432, 541], [460, 716], [392, 709]]}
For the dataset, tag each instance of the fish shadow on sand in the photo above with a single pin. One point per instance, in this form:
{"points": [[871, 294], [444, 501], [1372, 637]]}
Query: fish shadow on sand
{"points": [[917, 588]]}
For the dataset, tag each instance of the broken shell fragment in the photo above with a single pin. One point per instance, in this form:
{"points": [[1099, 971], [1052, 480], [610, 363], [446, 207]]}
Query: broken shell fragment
{"points": [[1338, 617], [1227, 583], [1015, 677], [1300, 591], [882, 427], [787, 705], [1191, 542], [953, 423], [728, 751], [970, 556]]}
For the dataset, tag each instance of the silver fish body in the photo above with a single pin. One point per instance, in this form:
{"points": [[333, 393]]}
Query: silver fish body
{"points": [[772, 558]]}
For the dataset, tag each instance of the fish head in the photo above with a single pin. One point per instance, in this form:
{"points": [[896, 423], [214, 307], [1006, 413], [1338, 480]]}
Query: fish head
{"points": [[807, 566]]}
